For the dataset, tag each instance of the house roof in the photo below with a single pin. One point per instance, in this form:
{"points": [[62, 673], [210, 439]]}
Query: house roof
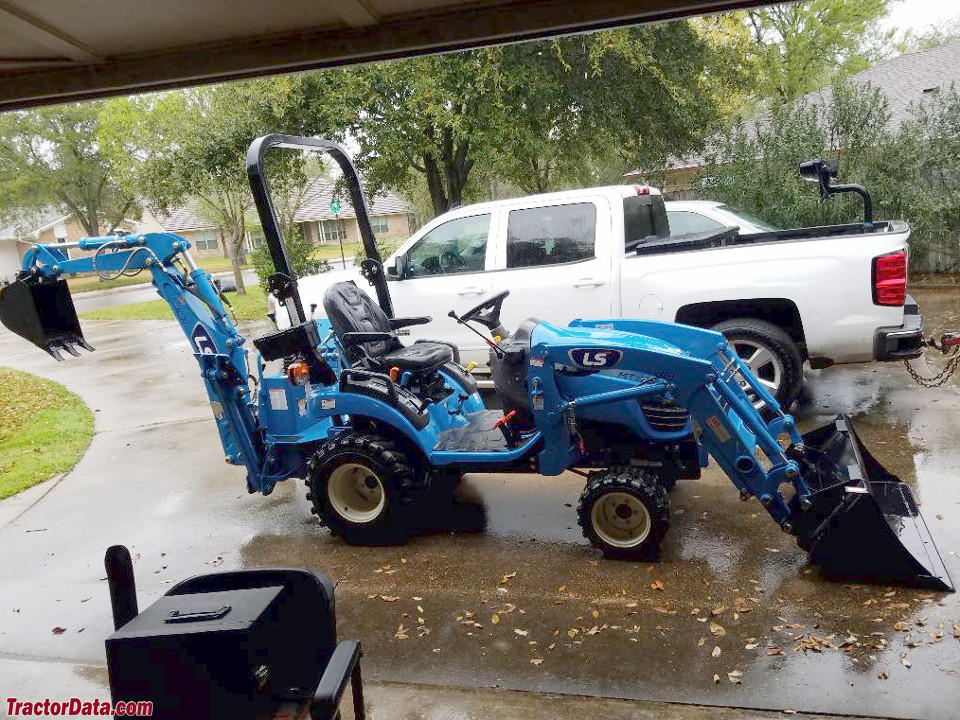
{"points": [[181, 219], [32, 224], [321, 191]]}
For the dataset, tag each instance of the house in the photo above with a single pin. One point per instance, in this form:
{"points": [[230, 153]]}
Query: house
{"points": [[905, 80], [389, 215]]}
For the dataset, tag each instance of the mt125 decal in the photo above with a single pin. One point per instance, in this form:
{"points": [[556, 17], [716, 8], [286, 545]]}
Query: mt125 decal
{"points": [[595, 358]]}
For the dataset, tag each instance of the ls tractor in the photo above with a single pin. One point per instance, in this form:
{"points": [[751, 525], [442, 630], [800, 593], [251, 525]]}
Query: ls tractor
{"points": [[375, 426]]}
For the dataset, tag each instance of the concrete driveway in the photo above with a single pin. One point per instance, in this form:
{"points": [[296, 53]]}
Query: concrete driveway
{"points": [[568, 622]]}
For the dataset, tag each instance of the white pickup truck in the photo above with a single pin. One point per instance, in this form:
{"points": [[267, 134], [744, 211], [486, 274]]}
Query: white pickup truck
{"points": [[822, 295]]}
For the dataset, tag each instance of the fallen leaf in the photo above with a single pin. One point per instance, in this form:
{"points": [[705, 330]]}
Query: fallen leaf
{"points": [[572, 632], [716, 651], [419, 609], [904, 661], [657, 585], [595, 613], [217, 561], [505, 580], [389, 598], [716, 679], [734, 676], [521, 633], [950, 671], [882, 675], [495, 619], [536, 661], [717, 610], [751, 646], [717, 629], [701, 641], [59, 630], [774, 651], [664, 611]]}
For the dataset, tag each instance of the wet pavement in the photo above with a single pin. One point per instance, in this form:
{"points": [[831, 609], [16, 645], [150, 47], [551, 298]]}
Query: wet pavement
{"points": [[732, 615]]}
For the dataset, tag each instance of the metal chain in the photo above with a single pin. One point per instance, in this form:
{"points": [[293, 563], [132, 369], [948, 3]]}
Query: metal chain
{"points": [[938, 379]]}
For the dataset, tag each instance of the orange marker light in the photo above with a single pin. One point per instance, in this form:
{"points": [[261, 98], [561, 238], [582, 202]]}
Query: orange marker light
{"points": [[298, 373], [394, 374]]}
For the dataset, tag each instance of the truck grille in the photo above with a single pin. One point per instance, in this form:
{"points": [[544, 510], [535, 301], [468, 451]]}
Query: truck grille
{"points": [[665, 415]]}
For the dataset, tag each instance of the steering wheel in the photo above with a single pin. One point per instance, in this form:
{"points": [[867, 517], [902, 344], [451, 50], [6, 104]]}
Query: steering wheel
{"points": [[487, 313], [450, 262]]}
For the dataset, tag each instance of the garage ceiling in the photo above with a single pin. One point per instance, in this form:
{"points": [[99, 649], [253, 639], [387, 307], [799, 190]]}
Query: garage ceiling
{"points": [[57, 50]]}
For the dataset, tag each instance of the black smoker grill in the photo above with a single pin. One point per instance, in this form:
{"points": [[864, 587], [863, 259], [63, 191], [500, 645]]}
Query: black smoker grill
{"points": [[247, 644]]}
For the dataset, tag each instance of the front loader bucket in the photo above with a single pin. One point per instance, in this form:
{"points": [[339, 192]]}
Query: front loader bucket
{"points": [[864, 523], [41, 310]]}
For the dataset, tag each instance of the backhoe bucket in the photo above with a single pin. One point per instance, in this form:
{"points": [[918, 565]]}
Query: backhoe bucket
{"points": [[41, 310], [864, 523]]}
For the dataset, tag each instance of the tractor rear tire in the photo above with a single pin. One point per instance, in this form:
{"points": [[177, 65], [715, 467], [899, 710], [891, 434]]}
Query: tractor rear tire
{"points": [[625, 512], [359, 483]]}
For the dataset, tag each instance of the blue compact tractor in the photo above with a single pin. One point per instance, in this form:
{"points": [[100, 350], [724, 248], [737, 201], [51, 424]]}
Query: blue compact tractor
{"points": [[374, 426]]}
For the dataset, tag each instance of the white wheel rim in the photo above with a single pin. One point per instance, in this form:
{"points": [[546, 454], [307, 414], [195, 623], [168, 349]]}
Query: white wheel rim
{"points": [[356, 493], [763, 363], [620, 519]]}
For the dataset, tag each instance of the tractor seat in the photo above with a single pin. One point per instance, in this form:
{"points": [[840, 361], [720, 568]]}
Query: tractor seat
{"points": [[351, 311], [419, 357]]}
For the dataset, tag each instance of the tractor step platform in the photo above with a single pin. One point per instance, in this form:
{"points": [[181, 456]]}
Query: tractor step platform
{"points": [[478, 435]]}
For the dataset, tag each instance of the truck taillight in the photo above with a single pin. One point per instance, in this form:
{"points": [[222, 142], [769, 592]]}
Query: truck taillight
{"points": [[642, 189], [890, 278]]}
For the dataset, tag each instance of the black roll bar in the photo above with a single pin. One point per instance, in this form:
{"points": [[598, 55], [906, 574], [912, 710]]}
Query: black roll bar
{"points": [[284, 283]]}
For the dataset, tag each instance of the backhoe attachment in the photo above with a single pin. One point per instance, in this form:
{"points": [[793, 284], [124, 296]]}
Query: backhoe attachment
{"points": [[862, 522], [39, 309]]}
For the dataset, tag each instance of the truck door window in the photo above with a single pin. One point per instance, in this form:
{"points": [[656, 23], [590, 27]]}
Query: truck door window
{"points": [[551, 235], [456, 246], [683, 222]]}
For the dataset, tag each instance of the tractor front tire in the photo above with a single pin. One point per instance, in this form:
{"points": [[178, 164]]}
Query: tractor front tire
{"points": [[625, 512], [359, 483]]}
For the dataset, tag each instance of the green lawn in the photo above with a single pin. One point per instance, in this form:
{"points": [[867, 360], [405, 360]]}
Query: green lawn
{"points": [[92, 281], [252, 306], [332, 252], [44, 429]]}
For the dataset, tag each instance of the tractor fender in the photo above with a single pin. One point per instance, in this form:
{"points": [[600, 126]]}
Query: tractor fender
{"points": [[416, 427]]}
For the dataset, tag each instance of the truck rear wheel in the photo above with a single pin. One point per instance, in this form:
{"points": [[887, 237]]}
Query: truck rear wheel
{"points": [[624, 512], [770, 354], [358, 485]]}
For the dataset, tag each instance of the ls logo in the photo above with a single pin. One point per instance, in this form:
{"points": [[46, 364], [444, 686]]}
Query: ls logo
{"points": [[202, 340], [595, 358]]}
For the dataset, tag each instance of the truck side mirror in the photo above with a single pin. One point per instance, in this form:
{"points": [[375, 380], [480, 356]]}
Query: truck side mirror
{"points": [[399, 268]]}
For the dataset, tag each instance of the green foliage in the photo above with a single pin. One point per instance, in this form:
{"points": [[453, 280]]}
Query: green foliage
{"points": [[191, 146], [913, 172], [534, 116], [44, 430], [299, 251], [52, 157], [944, 32], [801, 47]]}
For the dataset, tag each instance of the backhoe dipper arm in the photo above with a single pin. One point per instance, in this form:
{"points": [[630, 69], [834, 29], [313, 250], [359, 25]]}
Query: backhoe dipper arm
{"points": [[196, 305]]}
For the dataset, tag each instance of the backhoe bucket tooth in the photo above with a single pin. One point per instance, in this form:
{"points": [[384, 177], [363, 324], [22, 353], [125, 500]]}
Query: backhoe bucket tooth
{"points": [[864, 523], [41, 310]]}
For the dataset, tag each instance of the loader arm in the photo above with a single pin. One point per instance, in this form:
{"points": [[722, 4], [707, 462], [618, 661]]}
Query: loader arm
{"points": [[38, 307], [856, 519]]}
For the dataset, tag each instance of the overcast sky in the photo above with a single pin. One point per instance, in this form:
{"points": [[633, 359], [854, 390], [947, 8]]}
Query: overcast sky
{"points": [[920, 14]]}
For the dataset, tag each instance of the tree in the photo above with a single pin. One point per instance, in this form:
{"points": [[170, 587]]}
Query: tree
{"points": [[537, 115], [191, 146], [754, 165], [944, 32], [801, 47], [52, 157]]}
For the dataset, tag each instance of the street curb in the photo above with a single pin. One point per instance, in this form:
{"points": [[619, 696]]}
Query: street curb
{"points": [[13, 507]]}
